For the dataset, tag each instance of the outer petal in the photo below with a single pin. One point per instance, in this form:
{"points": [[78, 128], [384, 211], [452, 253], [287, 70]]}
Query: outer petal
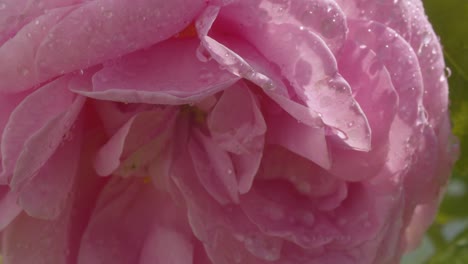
{"points": [[82, 37], [44, 193], [168, 73], [15, 14], [30, 240], [373, 89], [51, 105]]}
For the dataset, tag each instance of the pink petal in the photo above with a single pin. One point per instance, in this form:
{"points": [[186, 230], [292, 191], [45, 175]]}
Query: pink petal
{"points": [[239, 132], [227, 234], [144, 216], [373, 89], [136, 144], [31, 240], [50, 103], [308, 142], [168, 73], [9, 208], [44, 191], [305, 75], [15, 14], [214, 168], [166, 245], [82, 37], [405, 71]]}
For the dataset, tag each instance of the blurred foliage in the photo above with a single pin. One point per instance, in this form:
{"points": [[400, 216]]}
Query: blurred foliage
{"points": [[449, 234]]}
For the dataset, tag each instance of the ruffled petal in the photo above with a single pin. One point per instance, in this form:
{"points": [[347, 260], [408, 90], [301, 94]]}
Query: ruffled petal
{"points": [[130, 218], [50, 108], [314, 80], [31, 240], [240, 131], [44, 193], [373, 89], [82, 35], [136, 144], [15, 14], [214, 168], [172, 72], [306, 141]]}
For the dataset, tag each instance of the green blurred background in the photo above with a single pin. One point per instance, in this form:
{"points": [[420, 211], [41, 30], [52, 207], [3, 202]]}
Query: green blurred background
{"points": [[447, 240]]}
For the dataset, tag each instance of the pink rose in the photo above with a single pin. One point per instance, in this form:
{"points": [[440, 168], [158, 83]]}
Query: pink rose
{"points": [[219, 132]]}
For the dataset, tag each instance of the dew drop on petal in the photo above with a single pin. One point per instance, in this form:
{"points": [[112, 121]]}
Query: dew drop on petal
{"points": [[264, 248], [448, 72]]}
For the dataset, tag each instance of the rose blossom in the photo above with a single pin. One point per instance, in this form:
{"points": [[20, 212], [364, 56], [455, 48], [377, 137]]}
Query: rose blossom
{"points": [[219, 132]]}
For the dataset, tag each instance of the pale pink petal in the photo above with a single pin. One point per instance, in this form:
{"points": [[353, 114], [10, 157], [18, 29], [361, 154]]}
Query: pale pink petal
{"points": [[314, 77], [49, 103], [214, 168], [405, 71], [30, 240], [15, 14], [240, 132], [136, 144], [172, 72], [309, 142], [209, 220], [42, 145], [44, 193], [373, 89], [82, 37]]}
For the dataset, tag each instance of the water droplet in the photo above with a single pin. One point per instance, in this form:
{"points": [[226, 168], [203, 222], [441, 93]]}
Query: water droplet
{"points": [[202, 54], [23, 71], [2, 6], [205, 76], [329, 27], [308, 219], [108, 14], [37, 22], [448, 72], [350, 124], [229, 171], [266, 248], [29, 35]]}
